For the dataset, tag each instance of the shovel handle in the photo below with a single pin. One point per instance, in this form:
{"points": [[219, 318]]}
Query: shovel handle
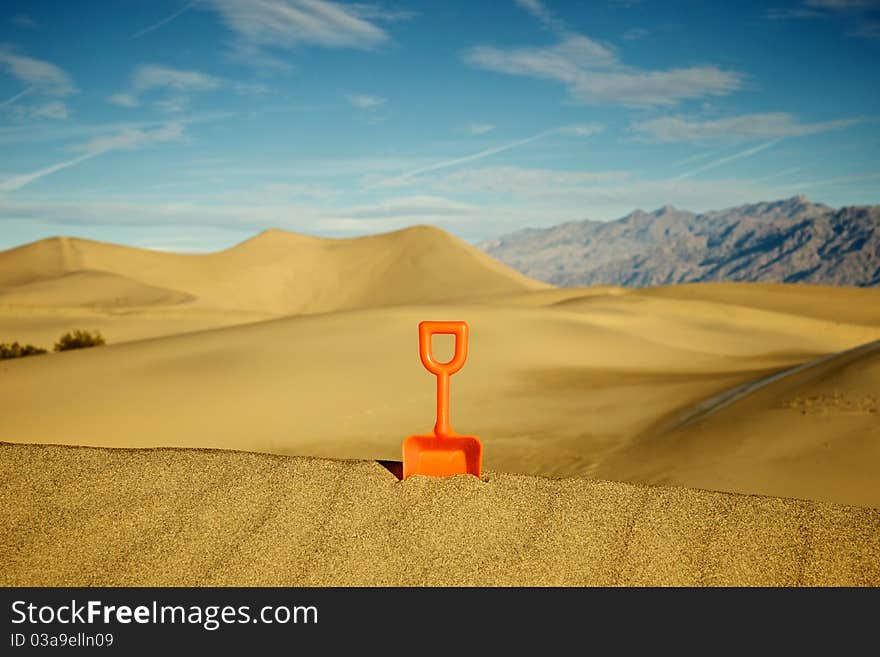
{"points": [[443, 370], [427, 330]]}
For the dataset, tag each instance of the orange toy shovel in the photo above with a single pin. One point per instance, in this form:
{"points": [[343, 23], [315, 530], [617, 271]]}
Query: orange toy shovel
{"points": [[444, 453]]}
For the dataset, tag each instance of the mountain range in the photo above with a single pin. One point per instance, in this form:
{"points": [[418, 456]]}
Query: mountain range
{"points": [[791, 240]]}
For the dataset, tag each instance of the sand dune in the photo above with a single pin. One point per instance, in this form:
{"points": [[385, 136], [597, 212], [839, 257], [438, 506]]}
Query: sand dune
{"points": [[38, 261], [550, 296], [718, 328], [550, 391], [42, 325], [813, 432], [59, 284], [90, 289], [853, 305], [79, 516], [351, 385], [279, 272]]}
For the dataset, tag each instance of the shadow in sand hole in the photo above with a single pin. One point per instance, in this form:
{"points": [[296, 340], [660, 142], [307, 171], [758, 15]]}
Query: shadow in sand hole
{"points": [[394, 467]]}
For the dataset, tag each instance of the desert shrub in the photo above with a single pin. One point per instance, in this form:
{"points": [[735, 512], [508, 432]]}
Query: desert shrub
{"points": [[79, 340], [16, 350]]}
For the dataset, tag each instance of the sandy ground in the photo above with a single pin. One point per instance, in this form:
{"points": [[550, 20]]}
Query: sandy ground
{"points": [[81, 516], [823, 418], [43, 325], [305, 347], [552, 390]]}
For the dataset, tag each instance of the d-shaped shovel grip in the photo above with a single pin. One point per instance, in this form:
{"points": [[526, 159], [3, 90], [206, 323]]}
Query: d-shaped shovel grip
{"points": [[443, 370]]}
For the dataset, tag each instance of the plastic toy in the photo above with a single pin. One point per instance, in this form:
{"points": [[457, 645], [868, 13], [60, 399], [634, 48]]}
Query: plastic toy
{"points": [[444, 453]]}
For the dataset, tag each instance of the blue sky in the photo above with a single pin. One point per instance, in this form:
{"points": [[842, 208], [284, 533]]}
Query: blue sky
{"points": [[190, 126]]}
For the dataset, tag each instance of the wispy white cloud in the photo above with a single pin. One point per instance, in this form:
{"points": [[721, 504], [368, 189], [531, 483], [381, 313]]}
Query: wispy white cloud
{"points": [[25, 22], [153, 76], [557, 194], [781, 174], [124, 100], [842, 5], [261, 25], [372, 12], [172, 104], [315, 168], [793, 13], [42, 79], [364, 101], [162, 22], [543, 14], [479, 128], [406, 206], [37, 73], [866, 30], [298, 190], [387, 214], [52, 110], [816, 9], [836, 181], [67, 132], [286, 24], [728, 159], [565, 62], [580, 129], [635, 33], [592, 73], [394, 213], [176, 84], [527, 183], [403, 178], [670, 129], [603, 200], [131, 139], [255, 193], [125, 140]]}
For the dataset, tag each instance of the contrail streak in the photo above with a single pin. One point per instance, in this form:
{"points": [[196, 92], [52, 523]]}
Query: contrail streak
{"points": [[162, 22], [730, 158], [16, 97]]}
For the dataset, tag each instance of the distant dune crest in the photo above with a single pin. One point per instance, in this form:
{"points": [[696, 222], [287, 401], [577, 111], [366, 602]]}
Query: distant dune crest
{"points": [[275, 272], [786, 241]]}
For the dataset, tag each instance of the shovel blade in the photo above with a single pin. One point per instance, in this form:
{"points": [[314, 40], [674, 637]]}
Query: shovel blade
{"points": [[445, 456]]}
